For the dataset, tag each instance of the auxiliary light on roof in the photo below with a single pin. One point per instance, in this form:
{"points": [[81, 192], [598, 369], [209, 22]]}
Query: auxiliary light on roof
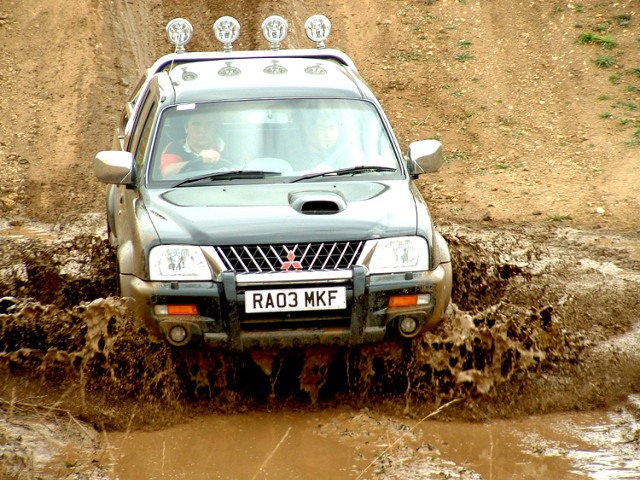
{"points": [[318, 28], [227, 30], [179, 32], [275, 30]]}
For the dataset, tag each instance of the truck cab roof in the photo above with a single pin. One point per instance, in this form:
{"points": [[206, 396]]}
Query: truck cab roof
{"points": [[268, 77]]}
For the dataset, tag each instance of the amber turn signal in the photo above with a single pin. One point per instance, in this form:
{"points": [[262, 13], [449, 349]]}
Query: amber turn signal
{"points": [[188, 309], [403, 301]]}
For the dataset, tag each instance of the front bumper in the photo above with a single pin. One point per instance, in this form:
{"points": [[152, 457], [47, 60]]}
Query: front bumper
{"points": [[223, 322]]}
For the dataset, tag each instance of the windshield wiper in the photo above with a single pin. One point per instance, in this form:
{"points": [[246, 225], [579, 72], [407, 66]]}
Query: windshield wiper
{"points": [[345, 171], [230, 175]]}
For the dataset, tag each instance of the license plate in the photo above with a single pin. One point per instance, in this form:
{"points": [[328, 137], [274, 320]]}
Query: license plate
{"points": [[295, 299]]}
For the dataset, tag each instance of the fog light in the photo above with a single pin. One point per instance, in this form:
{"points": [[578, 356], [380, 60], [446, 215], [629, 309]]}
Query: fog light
{"points": [[177, 334], [408, 327]]}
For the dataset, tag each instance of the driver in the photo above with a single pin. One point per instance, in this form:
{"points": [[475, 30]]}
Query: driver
{"points": [[201, 144]]}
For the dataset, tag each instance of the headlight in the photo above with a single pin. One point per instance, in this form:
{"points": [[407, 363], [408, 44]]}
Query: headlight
{"points": [[399, 254], [178, 262]]}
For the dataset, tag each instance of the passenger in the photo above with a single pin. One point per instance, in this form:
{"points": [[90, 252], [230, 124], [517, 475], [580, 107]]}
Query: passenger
{"points": [[329, 149], [202, 145]]}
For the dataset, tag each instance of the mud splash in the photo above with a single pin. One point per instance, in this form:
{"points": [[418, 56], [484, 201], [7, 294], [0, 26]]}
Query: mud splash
{"points": [[540, 323], [514, 319]]}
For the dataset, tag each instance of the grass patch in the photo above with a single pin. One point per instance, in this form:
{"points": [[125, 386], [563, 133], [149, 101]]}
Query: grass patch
{"points": [[606, 41], [623, 20], [519, 134], [504, 121], [452, 157], [558, 217], [409, 56], [463, 57], [635, 142], [464, 44], [631, 106], [605, 61]]}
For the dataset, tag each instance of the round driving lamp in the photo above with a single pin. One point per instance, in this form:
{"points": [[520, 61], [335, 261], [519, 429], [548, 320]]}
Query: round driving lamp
{"points": [[179, 32], [177, 334], [227, 30], [408, 327], [318, 28], [275, 30]]}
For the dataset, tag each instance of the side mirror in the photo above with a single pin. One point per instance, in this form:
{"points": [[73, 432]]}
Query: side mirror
{"points": [[425, 156], [114, 167]]}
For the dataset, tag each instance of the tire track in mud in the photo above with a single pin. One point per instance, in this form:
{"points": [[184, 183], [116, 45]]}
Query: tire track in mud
{"points": [[529, 308]]}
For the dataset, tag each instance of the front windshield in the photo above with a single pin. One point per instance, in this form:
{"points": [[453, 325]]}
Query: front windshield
{"points": [[292, 137]]}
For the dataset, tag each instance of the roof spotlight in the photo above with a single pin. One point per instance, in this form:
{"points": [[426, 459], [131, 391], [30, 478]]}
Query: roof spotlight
{"points": [[318, 28], [179, 32], [275, 29], [227, 31]]}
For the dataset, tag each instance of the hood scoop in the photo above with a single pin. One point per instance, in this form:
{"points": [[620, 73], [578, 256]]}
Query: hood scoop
{"points": [[317, 203]]}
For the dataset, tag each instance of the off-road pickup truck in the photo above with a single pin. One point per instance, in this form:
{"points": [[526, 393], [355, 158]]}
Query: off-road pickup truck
{"points": [[259, 199]]}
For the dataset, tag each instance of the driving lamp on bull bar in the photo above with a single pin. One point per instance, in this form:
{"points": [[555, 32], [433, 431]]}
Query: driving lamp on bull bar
{"points": [[180, 33], [227, 30], [275, 30], [318, 28], [178, 334], [408, 327]]}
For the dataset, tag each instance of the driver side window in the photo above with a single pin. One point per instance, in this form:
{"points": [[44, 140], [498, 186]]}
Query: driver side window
{"points": [[144, 135]]}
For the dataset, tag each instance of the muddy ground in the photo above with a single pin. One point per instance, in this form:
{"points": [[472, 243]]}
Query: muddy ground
{"points": [[538, 200]]}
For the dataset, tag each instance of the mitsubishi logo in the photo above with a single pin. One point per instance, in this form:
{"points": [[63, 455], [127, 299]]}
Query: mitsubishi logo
{"points": [[291, 262]]}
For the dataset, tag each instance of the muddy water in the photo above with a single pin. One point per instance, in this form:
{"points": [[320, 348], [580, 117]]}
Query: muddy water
{"points": [[363, 444]]}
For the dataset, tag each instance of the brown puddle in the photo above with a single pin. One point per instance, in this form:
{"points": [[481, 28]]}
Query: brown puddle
{"points": [[363, 444]]}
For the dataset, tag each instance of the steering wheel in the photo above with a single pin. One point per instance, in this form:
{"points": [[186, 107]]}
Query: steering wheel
{"points": [[198, 166], [270, 164]]}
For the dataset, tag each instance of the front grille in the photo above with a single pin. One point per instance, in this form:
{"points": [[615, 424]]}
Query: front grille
{"points": [[290, 257]]}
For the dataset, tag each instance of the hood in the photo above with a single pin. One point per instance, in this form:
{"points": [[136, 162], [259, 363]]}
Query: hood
{"points": [[274, 213]]}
